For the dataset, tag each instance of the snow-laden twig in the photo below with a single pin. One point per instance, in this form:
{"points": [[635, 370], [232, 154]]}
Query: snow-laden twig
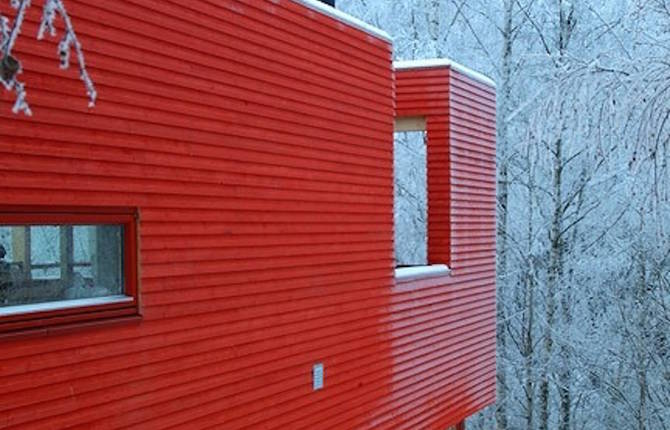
{"points": [[68, 41], [21, 7], [4, 36], [20, 105], [10, 67], [47, 23]]}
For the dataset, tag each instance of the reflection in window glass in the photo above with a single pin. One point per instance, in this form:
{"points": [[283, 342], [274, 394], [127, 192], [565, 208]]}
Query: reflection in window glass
{"points": [[47, 263], [44, 252], [82, 250]]}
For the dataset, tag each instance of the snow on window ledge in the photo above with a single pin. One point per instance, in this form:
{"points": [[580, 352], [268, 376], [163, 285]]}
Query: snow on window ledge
{"points": [[421, 272], [63, 304]]}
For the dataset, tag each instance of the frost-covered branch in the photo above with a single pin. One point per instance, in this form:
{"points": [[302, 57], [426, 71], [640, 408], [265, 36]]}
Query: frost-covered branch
{"points": [[10, 66]]}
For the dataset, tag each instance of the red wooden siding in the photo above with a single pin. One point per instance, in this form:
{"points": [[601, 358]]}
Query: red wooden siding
{"points": [[457, 333], [425, 92], [255, 139]]}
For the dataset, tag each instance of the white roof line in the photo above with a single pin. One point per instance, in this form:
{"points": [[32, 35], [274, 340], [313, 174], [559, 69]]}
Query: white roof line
{"points": [[443, 62], [345, 18]]}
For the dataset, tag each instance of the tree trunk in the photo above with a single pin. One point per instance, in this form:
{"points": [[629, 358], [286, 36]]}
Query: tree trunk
{"points": [[553, 279], [556, 251], [639, 352], [503, 196], [529, 306], [564, 378]]}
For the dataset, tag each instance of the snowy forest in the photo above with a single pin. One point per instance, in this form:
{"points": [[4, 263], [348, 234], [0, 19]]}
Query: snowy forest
{"points": [[583, 130]]}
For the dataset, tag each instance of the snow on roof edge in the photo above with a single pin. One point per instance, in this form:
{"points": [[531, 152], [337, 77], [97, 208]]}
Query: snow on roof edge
{"points": [[345, 18], [444, 62]]}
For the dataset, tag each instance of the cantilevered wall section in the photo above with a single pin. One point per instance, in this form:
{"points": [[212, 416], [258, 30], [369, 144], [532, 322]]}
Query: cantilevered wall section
{"points": [[457, 311]]}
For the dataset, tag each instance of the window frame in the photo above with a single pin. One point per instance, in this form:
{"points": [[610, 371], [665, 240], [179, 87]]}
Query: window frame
{"points": [[418, 123], [47, 320]]}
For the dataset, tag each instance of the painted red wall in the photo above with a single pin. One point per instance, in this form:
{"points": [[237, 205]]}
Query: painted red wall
{"points": [[255, 139], [457, 311]]}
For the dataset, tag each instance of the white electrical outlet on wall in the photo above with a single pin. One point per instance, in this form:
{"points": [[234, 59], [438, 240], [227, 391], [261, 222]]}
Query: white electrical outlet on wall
{"points": [[318, 376]]}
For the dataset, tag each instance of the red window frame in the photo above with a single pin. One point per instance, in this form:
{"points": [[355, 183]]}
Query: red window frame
{"points": [[49, 320]]}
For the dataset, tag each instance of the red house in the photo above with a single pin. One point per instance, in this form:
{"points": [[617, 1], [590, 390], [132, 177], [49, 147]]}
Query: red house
{"points": [[211, 246]]}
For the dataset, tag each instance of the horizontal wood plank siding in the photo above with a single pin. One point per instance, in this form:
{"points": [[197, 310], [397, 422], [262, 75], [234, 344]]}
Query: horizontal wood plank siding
{"points": [[458, 362]]}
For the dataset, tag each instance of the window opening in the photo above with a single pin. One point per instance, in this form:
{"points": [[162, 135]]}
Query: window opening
{"points": [[410, 198]]}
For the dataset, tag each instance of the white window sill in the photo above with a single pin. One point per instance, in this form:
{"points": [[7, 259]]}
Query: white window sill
{"points": [[421, 272], [62, 304]]}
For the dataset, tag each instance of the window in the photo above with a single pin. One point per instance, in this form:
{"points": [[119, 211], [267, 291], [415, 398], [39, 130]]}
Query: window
{"points": [[411, 199], [63, 266], [412, 216]]}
